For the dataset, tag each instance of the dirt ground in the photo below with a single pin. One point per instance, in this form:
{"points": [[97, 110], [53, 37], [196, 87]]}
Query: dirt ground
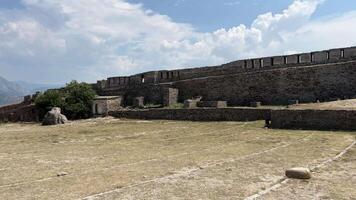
{"points": [[332, 105], [132, 159]]}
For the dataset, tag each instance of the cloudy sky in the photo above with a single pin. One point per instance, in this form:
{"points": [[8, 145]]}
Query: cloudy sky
{"points": [[55, 41]]}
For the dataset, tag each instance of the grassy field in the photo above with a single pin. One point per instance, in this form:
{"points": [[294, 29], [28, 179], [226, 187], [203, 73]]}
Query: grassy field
{"points": [[131, 159]]}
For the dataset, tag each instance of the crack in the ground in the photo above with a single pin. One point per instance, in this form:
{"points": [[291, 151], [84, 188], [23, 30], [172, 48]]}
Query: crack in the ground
{"points": [[285, 180], [186, 171]]}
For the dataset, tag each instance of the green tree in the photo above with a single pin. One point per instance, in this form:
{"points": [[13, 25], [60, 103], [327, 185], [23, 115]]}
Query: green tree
{"points": [[75, 100], [78, 100], [50, 99]]}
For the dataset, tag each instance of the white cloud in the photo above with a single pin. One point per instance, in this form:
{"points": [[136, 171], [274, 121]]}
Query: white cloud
{"points": [[52, 40]]}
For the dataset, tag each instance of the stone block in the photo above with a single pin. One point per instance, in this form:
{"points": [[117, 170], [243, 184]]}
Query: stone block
{"points": [[190, 104], [298, 173], [255, 104], [256, 63], [293, 102], [350, 52], [305, 58], [27, 99], [334, 54], [320, 56], [249, 64], [278, 60], [170, 96], [138, 102], [292, 59], [267, 62]]}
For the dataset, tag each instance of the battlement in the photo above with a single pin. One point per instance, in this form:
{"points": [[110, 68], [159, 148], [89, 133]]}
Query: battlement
{"points": [[240, 66]]}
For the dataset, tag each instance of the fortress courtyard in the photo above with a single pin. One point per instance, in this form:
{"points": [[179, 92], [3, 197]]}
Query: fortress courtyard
{"points": [[107, 158]]}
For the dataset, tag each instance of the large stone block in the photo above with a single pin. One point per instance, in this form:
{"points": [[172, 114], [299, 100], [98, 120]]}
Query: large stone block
{"points": [[278, 60], [170, 96], [249, 64], [350, 52], [320, 56], [138, 102], [305, 58], [292, 59], [267, 62], [298, 173], [334, 54], [189, 104], [255, 104]]}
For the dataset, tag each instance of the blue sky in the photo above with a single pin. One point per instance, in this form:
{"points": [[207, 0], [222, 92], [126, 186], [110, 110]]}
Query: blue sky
{"points": [[55, 41]]}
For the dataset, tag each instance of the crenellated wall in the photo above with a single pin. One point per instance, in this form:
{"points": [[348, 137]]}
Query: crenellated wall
{"points": [[240, 66], [273, 80]]}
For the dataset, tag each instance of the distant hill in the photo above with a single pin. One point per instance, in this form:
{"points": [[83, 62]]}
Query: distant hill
{"points": [[13, 91]]}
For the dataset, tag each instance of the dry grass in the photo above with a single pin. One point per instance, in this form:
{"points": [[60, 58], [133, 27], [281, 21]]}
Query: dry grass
{"points": [[131, 159], [333, 105]]}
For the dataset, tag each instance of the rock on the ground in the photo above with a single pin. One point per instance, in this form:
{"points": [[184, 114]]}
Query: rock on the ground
{"points": [[62, 174], [298, 173], [54, 117]]}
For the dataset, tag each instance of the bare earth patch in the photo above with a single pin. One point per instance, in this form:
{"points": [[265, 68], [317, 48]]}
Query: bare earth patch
{"points": [[333, 105], [135, 159]]}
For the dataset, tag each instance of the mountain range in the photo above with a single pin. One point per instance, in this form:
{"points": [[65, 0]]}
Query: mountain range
{"points": [[14, 91]]}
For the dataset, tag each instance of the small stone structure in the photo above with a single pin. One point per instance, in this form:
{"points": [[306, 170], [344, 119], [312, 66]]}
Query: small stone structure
{"points": [[54, 117], [293, 102], [189, 104], [170, 97], [102, 105], [139, 102], [255, 104], [212, 104]]}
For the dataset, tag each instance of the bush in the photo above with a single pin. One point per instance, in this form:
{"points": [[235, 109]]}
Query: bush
{"points": [[75, 100], [49, 99], [78, 100]]}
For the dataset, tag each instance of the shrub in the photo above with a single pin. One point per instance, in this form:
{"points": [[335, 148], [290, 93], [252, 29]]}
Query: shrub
{"points": [[78, 100], [75, 100]]}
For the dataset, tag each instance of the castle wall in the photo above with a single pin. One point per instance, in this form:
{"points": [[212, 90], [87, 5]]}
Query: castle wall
{"points": [[276, 86], [314, 119], [199, 114], [272, 80], [240, 66], [19, 113]]}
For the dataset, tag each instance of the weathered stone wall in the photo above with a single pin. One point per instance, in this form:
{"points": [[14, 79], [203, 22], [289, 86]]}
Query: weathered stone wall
{"points": [[19, 113], [206, 114], [306, 77], [314, 119], [255, 64], [102, 106], [275, 86]]}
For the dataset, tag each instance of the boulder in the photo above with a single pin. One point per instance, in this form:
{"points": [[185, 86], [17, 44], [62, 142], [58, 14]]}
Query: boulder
{"points": [[54, 117], [298, 173]]}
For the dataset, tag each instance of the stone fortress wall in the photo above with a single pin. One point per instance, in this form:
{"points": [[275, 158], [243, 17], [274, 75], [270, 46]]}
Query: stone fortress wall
{"points": [[24, 111], [308, 77]]}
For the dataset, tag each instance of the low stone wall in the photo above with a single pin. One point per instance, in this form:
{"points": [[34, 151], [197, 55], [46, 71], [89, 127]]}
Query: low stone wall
{"points": [[212, 104], [314, 119], [202, 114], [20, 113]]}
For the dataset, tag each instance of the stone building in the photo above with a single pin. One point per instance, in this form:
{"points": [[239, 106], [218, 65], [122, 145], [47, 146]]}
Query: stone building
{"points": [[102, 105]]}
